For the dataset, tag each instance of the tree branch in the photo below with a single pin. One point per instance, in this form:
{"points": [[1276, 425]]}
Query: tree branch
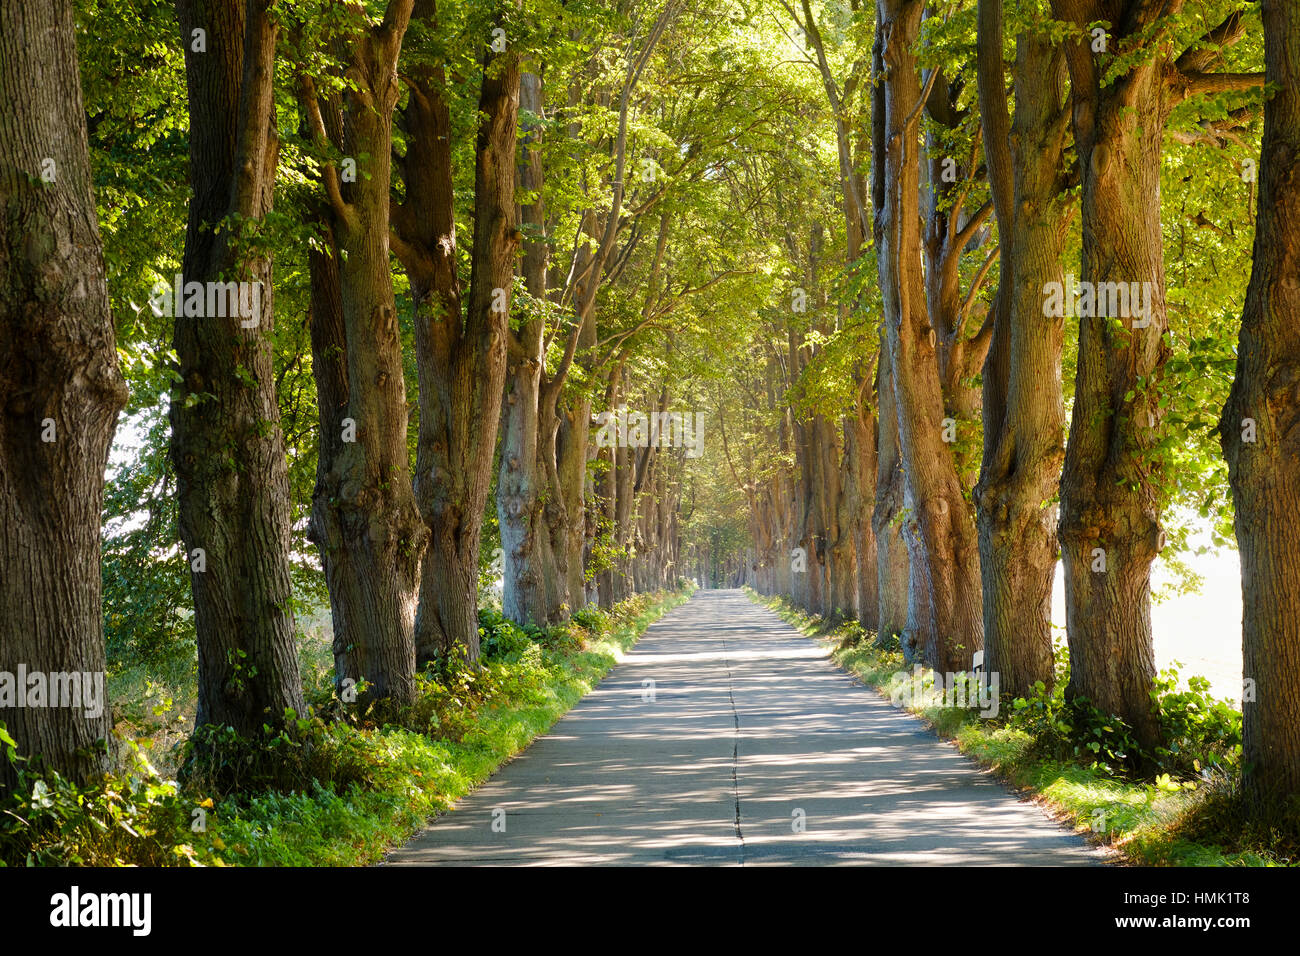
{"points": [[1187, 85], [1198, 57], [329, 173], [976, 221]]}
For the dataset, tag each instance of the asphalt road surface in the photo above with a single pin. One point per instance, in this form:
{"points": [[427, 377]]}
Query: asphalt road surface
{"points": [[726, 737]]}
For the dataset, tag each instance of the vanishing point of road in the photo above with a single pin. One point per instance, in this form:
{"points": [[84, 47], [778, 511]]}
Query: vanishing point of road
{"points": [[726, 737]]}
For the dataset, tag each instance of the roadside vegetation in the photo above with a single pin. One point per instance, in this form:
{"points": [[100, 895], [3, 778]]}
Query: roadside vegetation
{"points": [[335, 787]]}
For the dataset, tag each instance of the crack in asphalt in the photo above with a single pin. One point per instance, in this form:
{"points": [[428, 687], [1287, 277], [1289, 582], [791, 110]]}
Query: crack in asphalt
{"points": [[735, 750]]}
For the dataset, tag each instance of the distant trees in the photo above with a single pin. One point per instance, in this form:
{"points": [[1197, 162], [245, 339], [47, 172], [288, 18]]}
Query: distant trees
{"points": [[545, 506]]}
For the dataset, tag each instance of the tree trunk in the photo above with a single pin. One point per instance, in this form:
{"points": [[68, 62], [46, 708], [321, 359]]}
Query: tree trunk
{"points": [[607, 500], [827, 499], [461, 362], [227, 446], [891, 553], [1110, 505], [1265, 473], [534, 590], [892, 561], [60, 391], [860, 456], [945, 621], [1024, 419], [624, 467], [364, 516], [572, 529], [329, 357], [525, 536]]}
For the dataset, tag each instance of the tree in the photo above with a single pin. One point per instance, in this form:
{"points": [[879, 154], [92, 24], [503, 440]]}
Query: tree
{"points": [[852, 572], [227, 447], [892, 562], [601, 221], [1260, 431], [1124, 83], [559, 354], [461, 362], [535, 586], [60, 392], [1024, 420], [944, 617], [364, 517]]}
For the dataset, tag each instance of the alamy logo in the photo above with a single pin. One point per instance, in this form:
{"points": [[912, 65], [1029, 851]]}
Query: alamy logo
{"points": [[1088, 300], [53, 689], [208, 300], [626, 429], [72, 909]]}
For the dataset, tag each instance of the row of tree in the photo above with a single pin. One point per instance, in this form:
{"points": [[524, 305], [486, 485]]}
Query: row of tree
{"points": [[925, 480], [397, 417], [825, 231]]}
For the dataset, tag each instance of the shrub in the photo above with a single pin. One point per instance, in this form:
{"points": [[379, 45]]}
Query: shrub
{"points": [[1197, 731], [592, 618], [220, 761], [499, 637], [134, 817]]}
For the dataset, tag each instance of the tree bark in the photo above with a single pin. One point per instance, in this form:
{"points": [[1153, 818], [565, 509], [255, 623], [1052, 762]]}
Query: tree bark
{"points": [[227, 445], [1265, 474], [945, 622], [364, 516], [1024, 419], [60, 389]]}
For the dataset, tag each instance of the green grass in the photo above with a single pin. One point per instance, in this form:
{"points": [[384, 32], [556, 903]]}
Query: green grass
{"points": [[1143, 823], [383, 784]]}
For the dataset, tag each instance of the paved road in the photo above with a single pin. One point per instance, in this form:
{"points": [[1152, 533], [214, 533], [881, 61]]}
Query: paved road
{"points": [[755, 749]]}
